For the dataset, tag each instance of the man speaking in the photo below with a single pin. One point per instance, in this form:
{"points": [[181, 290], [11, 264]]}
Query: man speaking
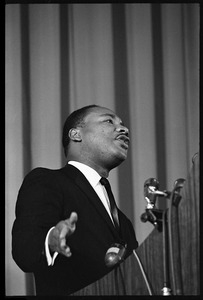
{"points": [[67, 219]]}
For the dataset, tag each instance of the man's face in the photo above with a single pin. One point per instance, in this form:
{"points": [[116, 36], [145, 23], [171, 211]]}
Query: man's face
{"points": [[105, 139]]}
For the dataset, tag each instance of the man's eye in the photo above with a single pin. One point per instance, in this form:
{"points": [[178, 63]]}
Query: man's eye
{"points": [[109, 121]]}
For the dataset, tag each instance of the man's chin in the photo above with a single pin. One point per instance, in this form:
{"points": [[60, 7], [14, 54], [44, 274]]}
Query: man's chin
{"points": [[121, 157]]}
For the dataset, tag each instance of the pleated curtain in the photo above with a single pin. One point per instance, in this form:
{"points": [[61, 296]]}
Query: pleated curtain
{"points": [[140, 60]]}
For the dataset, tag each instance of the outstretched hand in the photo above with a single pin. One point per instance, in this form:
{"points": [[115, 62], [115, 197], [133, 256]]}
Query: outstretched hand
{"points": [[58, 235]]}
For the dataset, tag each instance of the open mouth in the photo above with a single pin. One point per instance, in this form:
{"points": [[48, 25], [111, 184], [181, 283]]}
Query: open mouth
{"points": [[125, 141]]}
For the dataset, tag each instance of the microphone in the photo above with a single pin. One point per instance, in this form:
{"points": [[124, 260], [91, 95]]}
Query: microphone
{"points": [[115, 254], [178, 184], [151, 192]]}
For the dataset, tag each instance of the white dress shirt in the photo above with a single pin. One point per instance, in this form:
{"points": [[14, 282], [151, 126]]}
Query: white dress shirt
{"points": [[94, 179]]}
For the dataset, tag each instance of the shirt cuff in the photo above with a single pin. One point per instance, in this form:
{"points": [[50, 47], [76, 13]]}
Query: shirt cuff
{"points": [[50, 259]]}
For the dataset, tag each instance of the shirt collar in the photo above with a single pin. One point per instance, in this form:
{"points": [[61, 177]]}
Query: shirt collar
{"points": [[92, 176]]}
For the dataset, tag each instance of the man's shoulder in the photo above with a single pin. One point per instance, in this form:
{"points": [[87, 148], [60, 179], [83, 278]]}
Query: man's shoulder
{"points": [[42, 174], [40, 171], [51, 177]]}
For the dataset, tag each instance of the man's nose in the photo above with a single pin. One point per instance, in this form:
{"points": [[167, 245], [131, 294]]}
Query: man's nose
{"points": [[122, 129]]}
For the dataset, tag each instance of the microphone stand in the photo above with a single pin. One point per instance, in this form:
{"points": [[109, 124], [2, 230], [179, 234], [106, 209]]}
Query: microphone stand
{"points": [[164, 224], [159, 219], [174, 240], [166, 291]]}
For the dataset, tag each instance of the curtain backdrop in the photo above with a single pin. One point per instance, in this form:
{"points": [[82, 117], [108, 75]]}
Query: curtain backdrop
{"points": [[141, 60]]}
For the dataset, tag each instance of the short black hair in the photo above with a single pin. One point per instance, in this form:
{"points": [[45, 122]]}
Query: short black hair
{"points": [[75, 119]]}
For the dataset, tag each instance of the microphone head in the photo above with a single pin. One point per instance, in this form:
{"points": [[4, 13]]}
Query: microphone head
{"points": [[150, 186], [152, 182], [115, 254], [178, 184]]}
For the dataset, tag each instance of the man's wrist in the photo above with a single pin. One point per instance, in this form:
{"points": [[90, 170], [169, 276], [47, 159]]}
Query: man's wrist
{"points": [[50, 240], [50, 254]]}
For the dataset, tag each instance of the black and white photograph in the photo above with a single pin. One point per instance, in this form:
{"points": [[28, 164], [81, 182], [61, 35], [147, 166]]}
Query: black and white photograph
{"points": [[102, 149]]}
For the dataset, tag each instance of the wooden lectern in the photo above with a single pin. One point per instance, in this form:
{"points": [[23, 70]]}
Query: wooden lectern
{"points": [[184, 274]]}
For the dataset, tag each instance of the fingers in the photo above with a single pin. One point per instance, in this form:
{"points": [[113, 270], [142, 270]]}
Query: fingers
{"points": [[73, 218], [64, 249], [67, 227]]}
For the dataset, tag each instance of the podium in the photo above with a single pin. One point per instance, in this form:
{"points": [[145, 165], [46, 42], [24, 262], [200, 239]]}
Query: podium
{"points": [[127, 278]]}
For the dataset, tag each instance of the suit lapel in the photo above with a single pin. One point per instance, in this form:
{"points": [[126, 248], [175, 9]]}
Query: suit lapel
{"points": [[84, 185]]}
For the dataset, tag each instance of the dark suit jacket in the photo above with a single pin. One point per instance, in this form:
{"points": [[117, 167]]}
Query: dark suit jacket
{"points": [[47, 197]]}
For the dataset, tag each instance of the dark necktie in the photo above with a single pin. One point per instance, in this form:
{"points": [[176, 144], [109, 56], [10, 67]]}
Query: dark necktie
{"points": [[113, 207]]}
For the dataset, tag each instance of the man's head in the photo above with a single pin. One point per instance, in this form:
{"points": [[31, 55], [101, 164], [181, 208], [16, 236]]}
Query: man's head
{"points": [[74, 120], [96, 136]]}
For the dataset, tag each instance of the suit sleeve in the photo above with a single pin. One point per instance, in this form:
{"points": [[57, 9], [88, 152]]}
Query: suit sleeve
{"points": [[38, 208]]}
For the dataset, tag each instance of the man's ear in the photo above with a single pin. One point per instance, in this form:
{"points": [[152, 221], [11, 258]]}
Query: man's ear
{"points": [[74, 135]]}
